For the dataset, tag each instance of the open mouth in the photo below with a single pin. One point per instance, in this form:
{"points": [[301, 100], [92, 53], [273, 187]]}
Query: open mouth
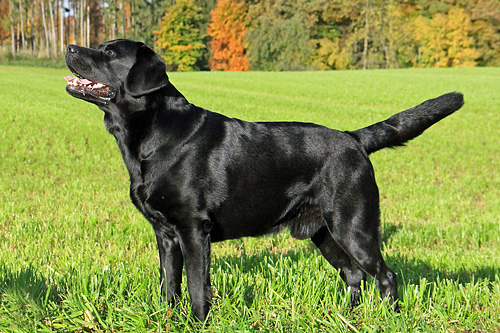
{"points": [[86, 87]]}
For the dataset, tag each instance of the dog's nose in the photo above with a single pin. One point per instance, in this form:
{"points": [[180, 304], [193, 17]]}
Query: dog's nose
{"points": [[72, 49]]}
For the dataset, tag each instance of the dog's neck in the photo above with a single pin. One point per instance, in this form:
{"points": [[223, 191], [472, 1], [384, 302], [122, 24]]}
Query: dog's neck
{"points": [[161, 116]]}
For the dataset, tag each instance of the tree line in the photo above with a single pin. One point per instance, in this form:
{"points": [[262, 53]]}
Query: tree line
{"points": [[265, 34]]}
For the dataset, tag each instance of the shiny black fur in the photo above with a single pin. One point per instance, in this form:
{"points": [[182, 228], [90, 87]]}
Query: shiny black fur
{"points": [[200, 177]]}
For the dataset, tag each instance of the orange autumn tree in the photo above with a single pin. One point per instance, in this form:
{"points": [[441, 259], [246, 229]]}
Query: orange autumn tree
{"points": [[227, 29]]}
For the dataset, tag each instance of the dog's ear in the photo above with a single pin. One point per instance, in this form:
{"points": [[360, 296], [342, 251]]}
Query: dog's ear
{"points": [[147, 74]]}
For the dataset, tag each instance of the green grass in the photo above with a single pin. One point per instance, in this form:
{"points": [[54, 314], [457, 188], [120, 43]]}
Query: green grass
{"points": [[29, 60], [76, 256]]}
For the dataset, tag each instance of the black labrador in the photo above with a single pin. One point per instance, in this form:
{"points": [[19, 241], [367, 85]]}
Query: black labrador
{"points": [[200, 177]]}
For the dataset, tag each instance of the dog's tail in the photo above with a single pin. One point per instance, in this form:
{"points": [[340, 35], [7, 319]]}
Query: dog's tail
{"points": [[408, 124]]}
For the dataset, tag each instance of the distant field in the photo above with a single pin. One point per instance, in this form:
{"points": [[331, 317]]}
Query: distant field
{"points": [[76, 256]]}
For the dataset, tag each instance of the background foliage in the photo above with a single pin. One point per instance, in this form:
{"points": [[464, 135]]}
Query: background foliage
{"points": [[265, 34], [179, 40], [227, 29]]}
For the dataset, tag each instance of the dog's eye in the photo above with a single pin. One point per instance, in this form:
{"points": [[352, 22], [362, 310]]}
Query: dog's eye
{"points": [[110, 53]]}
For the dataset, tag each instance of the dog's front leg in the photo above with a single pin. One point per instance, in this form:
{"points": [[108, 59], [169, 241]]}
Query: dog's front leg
{"points": [[168, 244], [171, 261], [195, 245]]}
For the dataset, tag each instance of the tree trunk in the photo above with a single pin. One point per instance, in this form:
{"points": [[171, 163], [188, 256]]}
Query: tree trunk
{"points": [[18, 37], [73, 33], [123, 13], [61, 26], [13, 40], [81, 22], [113, 26], [12, 33], [47, 42], [88, 26], [23, 40], [32, 28], [365, 44], [105, 30], [113, 23], [53, 35]]}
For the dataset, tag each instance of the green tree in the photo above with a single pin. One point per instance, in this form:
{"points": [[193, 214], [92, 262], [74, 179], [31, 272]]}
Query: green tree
{"points": [[364, 34], [485, 17], [145, 16], [179, 39], [279, 45], [279, 36], [445, 40]]}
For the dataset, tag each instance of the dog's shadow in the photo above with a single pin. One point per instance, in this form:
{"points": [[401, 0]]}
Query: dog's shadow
{"points": [[26, 291], [410, 270]]}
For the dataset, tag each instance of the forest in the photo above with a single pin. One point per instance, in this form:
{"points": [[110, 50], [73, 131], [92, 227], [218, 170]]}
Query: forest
{"points": [[264, 35]]}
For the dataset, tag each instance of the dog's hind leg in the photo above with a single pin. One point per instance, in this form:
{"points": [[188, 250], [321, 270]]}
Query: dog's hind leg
{"points": [[350, 272], [352, 219], [356, 233]]}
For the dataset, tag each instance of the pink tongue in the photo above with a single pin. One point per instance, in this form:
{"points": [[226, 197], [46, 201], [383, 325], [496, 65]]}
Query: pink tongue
{"points": [[77, 80]]}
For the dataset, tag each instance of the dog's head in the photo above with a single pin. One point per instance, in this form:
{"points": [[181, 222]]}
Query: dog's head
{"points": [[117, 70]]}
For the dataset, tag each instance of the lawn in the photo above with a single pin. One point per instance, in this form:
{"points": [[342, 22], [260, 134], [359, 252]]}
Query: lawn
{"points": [[75, 255]]}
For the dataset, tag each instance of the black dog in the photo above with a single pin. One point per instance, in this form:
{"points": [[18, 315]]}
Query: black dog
{"points": [[200, 177]]}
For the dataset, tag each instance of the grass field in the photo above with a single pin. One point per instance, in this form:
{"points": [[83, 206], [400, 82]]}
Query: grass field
{"points": [[76, 256]]}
